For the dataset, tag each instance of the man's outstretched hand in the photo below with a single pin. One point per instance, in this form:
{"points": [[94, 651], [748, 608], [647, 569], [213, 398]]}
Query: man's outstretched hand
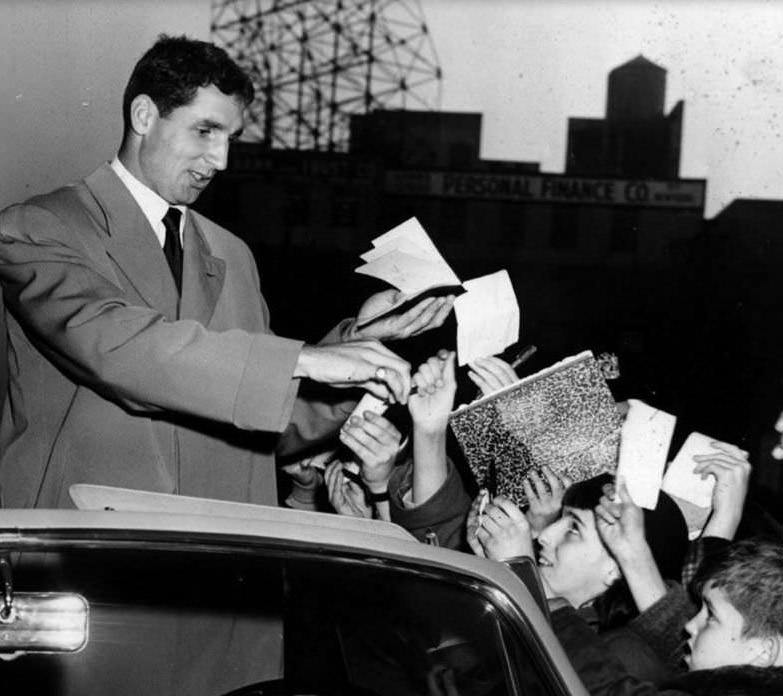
{"points": [[428, 314], [367, 364]]}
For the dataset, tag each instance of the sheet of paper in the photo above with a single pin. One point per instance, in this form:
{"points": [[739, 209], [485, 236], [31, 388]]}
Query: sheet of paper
{"points": [[369, 402], [487, 317], [680, 480], [409, 273], [411, 231], [405, 245], [644, 445]]}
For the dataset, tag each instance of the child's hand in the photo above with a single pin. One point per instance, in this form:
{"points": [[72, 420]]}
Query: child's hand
{"points": [[346, 496], [436, 385], [545, 499], [375, 442], [307, 472], [491, 374], [504, 532], [475, 520], [731, 469], [620, 523]]}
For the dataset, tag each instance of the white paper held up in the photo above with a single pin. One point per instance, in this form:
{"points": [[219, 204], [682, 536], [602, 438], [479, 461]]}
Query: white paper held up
{"points": [[487, 317], [680, 481], [406, 258], [369, 402], [644, 445]]}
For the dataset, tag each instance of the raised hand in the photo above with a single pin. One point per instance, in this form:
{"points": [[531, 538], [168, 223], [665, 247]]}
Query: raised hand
{"points": [[545, 499], [491, 374], [731, 469], [436, 385], [346, 496], [504, 531], [306, 472], [375, 442], [620, 523], [366, 363], [428, 314]]}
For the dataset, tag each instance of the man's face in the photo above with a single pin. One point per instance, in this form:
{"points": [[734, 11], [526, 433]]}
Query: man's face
{"points": [[180, 153], [573, 561], [716, 638]]}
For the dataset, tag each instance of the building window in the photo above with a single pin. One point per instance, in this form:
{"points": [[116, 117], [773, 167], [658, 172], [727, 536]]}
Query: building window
{"points": [[454, 214], [296, 210], [344, 211], [624, 237], [512, 224], [565, 230]]}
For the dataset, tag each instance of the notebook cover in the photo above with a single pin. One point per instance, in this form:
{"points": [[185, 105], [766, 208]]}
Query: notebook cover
{"points": [[563, 416]]}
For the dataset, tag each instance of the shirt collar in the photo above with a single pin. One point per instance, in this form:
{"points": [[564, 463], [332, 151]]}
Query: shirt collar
{"points": [[152, 205]]}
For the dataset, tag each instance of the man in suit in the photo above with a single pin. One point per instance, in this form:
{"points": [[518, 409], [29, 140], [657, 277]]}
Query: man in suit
{"points": [[138, 342]]}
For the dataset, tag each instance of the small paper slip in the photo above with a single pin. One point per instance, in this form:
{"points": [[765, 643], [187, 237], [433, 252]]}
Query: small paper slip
{"points": [[410, 274], [406, 258], [404, 245], [369, 402], [406, 232], [487, 317], [644, 445], [680, 481]]}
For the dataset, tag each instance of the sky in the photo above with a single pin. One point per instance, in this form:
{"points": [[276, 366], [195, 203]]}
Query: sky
{"points": [[528, 65]]}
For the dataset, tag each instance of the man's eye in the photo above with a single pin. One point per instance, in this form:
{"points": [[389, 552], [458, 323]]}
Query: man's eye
{"points": [[204, 132]]}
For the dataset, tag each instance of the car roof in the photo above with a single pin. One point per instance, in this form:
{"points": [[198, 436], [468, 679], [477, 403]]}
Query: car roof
{"points": [[207, 520]]}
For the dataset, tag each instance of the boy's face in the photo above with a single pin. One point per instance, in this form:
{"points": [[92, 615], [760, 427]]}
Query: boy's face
{"points": [[716, 638], [573, 561]]}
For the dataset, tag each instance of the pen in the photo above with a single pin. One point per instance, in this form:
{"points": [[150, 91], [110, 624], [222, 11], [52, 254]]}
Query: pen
{"points": [[523, 356], [482, 506]]}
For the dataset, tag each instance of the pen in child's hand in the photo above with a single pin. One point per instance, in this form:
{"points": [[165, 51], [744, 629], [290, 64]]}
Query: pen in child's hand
{"points": [[483, 500]]}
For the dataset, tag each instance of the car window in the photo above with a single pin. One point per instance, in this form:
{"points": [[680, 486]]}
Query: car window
{"points": [[214, 621]]}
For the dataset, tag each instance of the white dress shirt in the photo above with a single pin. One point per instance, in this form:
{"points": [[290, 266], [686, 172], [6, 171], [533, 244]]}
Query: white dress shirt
{"points": [[151, 204]]}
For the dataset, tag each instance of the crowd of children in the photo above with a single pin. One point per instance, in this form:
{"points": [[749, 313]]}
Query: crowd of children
{"points": [[638, 607]]}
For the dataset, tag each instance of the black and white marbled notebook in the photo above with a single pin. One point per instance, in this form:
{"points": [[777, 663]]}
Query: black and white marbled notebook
{"points": [[563, 416]]}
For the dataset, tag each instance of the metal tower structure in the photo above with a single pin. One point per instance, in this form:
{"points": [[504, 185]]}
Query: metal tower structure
{"points": [[316, 62]]}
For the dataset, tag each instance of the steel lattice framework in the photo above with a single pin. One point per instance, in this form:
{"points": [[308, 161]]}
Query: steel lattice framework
{"points": [[316, 62]]}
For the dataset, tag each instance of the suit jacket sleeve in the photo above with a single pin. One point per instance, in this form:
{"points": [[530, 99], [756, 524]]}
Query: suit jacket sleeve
{"points": [[318, 412], [81, 320]]}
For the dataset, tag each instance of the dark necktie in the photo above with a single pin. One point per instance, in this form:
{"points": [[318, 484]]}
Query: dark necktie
{"points": [[172, 247]]}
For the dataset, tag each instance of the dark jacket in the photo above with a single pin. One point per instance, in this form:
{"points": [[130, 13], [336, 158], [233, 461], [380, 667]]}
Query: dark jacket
{"points": [[603, 673], [441, 518]]}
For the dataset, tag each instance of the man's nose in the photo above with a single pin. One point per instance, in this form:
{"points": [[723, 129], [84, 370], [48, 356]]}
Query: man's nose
{"points": [[218, 155]]}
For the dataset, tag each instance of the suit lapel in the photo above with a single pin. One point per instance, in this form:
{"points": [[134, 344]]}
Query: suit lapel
{"points": [[132, 244], [202, 275]]}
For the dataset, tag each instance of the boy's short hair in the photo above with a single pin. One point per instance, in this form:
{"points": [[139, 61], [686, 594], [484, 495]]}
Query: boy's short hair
{"points": [[173, 69], [750, 575]]}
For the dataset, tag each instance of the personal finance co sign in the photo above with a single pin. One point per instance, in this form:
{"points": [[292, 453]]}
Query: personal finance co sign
{"points": [[544, 188]]}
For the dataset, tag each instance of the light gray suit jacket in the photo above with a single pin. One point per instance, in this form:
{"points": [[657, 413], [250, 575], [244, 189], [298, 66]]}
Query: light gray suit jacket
{"points": [[110, 382]]}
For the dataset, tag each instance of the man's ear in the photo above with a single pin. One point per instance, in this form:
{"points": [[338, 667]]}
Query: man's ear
{"points": [[143, 113]]}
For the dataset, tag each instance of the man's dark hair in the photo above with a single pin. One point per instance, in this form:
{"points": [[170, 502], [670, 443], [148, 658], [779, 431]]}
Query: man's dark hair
{"points": [[175, 67], [750, 575]]}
